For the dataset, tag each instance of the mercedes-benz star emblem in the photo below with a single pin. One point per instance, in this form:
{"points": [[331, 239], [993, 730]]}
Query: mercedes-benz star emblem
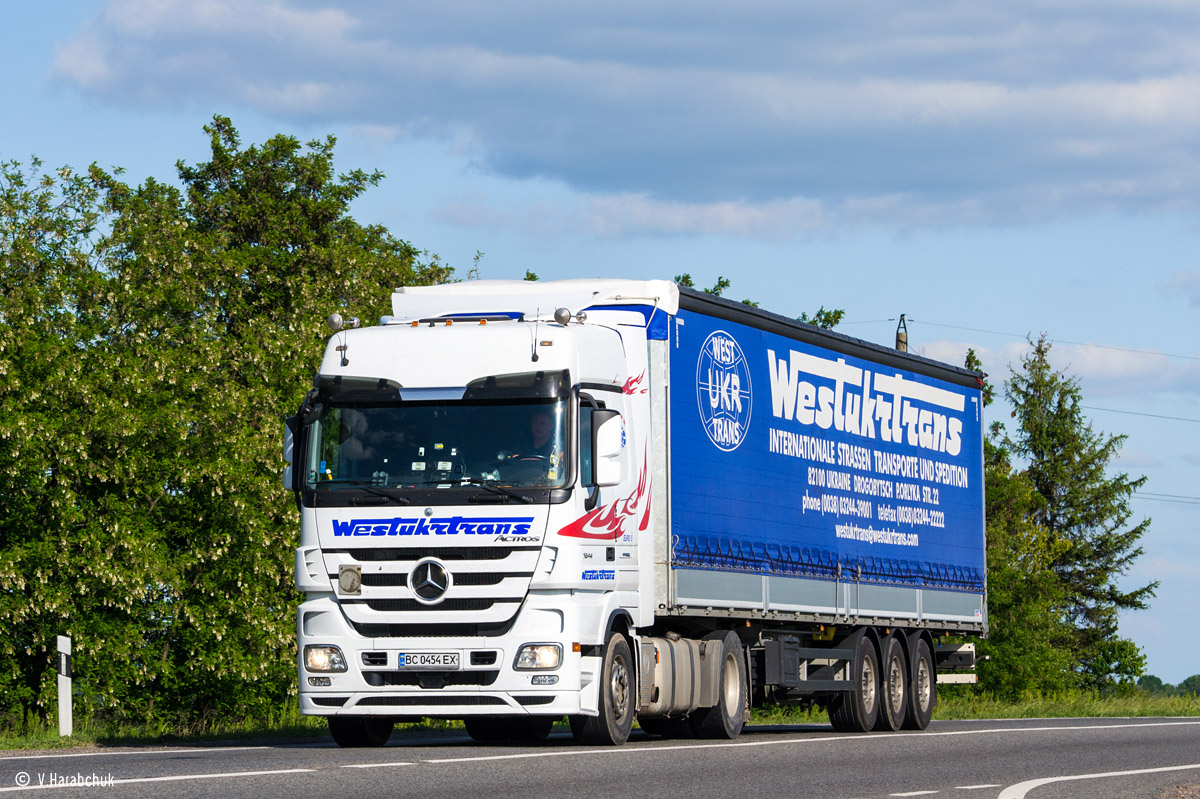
{"points": [[429, 581]]}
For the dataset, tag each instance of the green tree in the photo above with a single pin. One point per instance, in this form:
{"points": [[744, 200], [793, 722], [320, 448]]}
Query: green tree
{"points": [[57, 554], [1189, 686], [823, 318], [1154, 685], [1081, 504], [1022, 653], [164, 334]]}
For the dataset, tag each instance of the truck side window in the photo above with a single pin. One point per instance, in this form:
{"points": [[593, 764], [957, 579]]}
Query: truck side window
{"points": [[587, 405]]}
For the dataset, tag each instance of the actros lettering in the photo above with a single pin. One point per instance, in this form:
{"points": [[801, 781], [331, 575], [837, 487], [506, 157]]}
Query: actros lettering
{"points": [[826, 393], [451, 525]]}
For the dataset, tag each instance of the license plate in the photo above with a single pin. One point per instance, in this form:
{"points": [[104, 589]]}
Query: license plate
{"points": [[427, 660]]}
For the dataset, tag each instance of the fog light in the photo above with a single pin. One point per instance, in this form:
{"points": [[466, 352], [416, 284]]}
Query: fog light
{"points": [[538, 656], [319, 682], [537, 679], [324, 658]]}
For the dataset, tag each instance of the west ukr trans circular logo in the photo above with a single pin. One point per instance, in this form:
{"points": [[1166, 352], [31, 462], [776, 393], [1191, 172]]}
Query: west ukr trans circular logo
{"points": [[723, 390]]}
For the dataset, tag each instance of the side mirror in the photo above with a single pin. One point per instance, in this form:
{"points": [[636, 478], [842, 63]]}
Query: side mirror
{"points": [[608, 447], [290, 424]]}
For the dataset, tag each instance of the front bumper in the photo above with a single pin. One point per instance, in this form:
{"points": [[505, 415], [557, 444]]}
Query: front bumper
{"points": [[484, 683]]}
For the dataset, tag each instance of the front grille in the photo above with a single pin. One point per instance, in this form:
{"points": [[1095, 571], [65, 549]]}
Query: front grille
{"points": [[483, 658], [484, 588], [330, 701], [441, 553], [410, 605], [430, 700], [432, 680], [374, 658], [378, 580], [448, 630]]}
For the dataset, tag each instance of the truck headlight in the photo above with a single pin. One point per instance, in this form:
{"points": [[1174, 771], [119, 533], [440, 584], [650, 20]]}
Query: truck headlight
{"points": [[538, 656], [324, 658]]}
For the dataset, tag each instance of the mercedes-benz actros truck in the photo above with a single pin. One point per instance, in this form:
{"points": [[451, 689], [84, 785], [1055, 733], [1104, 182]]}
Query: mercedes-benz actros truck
{"points": [[616, 500]]}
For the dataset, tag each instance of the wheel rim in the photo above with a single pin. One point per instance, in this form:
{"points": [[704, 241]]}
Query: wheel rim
{"points": [[896, 684], [923, 683], [619, 688], [731, 685], [868, 686]]}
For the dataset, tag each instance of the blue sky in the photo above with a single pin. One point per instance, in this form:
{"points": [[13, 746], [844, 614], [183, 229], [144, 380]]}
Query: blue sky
{"points": [[988, 171]]}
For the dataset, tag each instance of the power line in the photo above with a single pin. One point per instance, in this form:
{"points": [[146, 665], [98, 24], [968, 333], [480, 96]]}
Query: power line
{"points": [[1139, 413], [1172, 496], [1053, 340], [1173, 501]]}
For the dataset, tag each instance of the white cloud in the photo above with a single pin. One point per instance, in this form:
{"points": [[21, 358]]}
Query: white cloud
{"points": [[1102, 371], [760, 120]]}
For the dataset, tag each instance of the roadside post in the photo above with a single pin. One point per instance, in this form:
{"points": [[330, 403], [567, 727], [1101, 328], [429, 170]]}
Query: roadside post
{"points": [[65, 721]]}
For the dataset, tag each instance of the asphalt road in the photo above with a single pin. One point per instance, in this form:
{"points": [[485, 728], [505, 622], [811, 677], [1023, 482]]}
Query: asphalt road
{"points": [[1036, 759]]}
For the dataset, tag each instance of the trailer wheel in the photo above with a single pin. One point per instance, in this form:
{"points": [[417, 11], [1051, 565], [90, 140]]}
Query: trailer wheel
{"points": [[486, 729], [922, 693], [360, 731], [894, 683], [725, 719], [617, 688], [856, 710]]}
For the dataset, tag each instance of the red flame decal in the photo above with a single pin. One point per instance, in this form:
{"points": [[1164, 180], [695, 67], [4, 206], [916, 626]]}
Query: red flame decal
{"points": [[607, 522], [633, 384]]}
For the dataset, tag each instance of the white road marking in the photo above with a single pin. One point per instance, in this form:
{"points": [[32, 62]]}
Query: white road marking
{"points": [[975, 787], [195, 750], [1019, 790], [172, 778], [625, 750], [380, 765]]}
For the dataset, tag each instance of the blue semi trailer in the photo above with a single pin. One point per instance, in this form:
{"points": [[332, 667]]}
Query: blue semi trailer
{"points": [[613, 500]]}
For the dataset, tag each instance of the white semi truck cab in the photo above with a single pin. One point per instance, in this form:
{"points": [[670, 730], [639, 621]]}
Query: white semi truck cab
{"points": [[522, 501]]}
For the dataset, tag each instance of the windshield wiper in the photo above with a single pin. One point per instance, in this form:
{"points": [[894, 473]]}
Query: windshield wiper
{"points": [[489, 485], [371, 487]]}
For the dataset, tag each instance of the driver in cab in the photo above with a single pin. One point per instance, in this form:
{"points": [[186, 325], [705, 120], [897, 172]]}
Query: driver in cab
{"points": [[540, 452]]}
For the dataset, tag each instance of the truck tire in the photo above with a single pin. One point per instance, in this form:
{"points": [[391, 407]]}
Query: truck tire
{"points": [[360, 731], [894, 682], [617, 690], [856, 710], [922, 692], [486, 729], [725, 719]]}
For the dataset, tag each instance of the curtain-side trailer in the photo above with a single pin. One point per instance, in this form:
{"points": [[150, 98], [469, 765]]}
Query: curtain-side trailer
{"points": [[611, 500]]}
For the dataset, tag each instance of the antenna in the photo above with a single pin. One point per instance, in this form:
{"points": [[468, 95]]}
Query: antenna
{"points": [[537, 313]]}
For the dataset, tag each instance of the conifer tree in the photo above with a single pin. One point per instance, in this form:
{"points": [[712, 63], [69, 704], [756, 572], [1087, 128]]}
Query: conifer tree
{"points": [[1084, 506]]}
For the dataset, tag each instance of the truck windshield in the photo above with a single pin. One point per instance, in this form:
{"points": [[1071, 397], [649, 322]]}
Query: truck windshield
{"points": [[508, 431]]}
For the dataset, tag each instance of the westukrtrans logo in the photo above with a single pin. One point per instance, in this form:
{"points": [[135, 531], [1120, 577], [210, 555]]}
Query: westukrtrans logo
{"points": [[723, 390]]}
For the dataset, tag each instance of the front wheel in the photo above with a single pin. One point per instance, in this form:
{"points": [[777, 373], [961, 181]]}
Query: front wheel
{"points": [[360, 731], [611, 727]]}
